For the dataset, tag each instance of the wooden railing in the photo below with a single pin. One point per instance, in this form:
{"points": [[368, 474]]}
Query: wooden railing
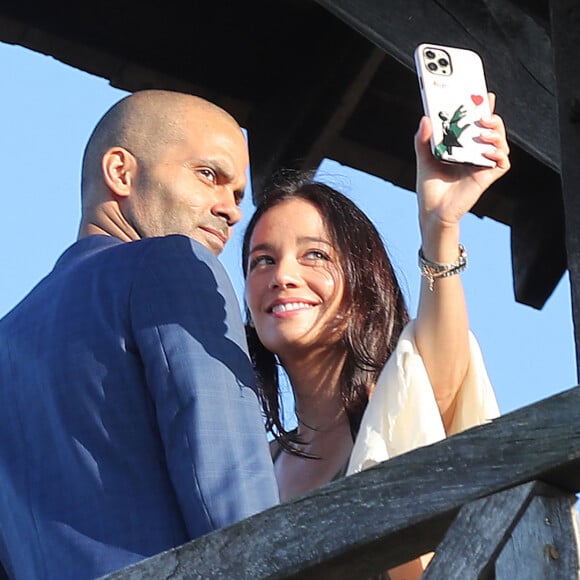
{"points": [[494, 501]]}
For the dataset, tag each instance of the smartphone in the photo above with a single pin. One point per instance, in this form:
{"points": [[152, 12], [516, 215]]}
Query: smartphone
{"points": [[454, 95]]}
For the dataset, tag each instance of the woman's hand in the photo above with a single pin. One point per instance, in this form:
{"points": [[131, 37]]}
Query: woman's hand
{"points": [[447, 191]]}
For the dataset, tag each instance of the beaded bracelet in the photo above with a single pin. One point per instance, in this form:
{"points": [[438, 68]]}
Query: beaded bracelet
{"points": [[433, 270]]}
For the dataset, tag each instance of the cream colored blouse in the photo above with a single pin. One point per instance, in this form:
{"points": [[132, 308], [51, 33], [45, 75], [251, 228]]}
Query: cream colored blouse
{"points": [[402, 413]]}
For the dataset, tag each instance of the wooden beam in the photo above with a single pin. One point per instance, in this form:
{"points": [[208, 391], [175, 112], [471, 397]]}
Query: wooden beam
{"points": [[390, 513], [478, 534], [350, 98], [545, 539], [518, 80], [565, 18], [537, 239], [526, 531], [293, 124]]}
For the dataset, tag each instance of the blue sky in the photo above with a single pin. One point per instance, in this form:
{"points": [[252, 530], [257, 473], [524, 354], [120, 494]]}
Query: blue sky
{"points": [[47, 111]]}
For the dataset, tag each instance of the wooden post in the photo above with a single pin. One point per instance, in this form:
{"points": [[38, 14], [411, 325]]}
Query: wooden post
{"points": [[529, 531], [565, 22], [478, 534], [545, 541]]}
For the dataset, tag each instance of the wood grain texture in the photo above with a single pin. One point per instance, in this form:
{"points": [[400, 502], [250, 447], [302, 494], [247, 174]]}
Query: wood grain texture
{"points": [[528, 531], [544, 545], [478, 534]]}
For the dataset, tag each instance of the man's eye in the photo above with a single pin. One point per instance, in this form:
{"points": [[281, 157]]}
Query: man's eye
{"points": [[208, 174]]}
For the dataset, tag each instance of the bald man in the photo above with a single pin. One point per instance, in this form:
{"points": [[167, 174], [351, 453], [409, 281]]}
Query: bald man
{"points": [[129, 422]]}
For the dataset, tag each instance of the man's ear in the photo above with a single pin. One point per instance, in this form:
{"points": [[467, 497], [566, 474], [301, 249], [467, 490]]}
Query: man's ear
{"points": [[119, 169]]}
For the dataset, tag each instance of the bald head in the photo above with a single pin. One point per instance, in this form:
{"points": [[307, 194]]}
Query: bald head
{"points": [[161, 163], [143, 123]]}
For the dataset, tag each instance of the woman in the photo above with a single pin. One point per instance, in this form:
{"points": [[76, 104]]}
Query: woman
{"points": [[323, 300]]}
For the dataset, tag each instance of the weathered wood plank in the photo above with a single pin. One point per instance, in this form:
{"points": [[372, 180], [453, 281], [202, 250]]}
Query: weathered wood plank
{"points": [[513, 70], [390, 513], [538, 242], [478, 534], [565, 19], [544, 543]]}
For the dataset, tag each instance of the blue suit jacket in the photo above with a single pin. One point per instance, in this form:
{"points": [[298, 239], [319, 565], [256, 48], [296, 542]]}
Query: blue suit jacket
{"points": [[128, 418]]}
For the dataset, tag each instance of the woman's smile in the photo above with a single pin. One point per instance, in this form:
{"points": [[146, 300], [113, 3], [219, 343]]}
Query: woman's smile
{"points": [[280, 307]]}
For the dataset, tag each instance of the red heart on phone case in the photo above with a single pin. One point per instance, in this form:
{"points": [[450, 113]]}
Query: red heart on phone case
{"points": [[477, 99]]}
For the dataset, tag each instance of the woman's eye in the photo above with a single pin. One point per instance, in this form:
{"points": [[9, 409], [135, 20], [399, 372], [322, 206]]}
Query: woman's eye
{"points": [[317, 255], [260, 261]]}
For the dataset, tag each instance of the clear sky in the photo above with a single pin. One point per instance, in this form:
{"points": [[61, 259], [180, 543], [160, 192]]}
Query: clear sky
{"points": [[47, 111]]}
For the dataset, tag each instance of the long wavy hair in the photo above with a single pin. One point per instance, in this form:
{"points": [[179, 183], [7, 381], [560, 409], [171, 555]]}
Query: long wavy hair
{"points": [[373, 302]]}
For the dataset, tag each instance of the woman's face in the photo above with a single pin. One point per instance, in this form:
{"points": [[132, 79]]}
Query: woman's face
{"points": [[294, 284]]}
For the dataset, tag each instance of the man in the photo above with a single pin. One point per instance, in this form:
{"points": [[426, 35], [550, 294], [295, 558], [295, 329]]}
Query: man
{"points": [[128, 419]]}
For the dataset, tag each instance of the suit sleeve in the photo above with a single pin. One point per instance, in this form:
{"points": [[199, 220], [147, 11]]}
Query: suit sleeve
{"points": [[188, 327]]}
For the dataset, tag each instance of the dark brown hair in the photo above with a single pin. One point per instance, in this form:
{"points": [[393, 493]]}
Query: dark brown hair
{"points": [[373, 302]]}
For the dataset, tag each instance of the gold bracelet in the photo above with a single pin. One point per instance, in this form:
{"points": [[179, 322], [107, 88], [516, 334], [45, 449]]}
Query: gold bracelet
{"points": [[433, 270]]}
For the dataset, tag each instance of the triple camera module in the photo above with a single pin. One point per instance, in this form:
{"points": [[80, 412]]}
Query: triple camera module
{"points": [[437, 61]]}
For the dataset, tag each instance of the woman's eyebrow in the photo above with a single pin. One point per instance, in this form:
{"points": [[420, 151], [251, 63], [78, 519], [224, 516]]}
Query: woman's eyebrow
{"points": [[261, 247], [316, 239], [265, 246]]}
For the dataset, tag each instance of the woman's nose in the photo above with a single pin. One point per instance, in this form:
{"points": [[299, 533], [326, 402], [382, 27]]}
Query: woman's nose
{"points": [[284, 276]]}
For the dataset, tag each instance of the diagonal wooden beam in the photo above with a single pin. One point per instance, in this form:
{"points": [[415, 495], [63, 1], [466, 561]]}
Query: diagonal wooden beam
{"points": [[478, 534], [293, 124], [527, 530], [545, 539]]}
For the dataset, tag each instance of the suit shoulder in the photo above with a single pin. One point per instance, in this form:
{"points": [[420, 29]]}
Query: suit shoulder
{"points": [[177, 251]]}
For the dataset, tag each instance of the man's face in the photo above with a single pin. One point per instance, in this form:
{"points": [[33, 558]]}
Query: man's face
{"points": [[194, 187]]}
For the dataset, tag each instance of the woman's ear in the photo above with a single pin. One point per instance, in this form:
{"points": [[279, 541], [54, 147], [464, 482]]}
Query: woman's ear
{"points": [[119, 168]]}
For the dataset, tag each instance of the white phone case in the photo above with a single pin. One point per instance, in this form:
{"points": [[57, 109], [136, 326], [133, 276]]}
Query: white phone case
{"points": [[454, 95]]}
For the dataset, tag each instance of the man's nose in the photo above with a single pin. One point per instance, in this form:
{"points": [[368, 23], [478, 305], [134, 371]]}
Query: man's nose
{"points": [[227, 208]]}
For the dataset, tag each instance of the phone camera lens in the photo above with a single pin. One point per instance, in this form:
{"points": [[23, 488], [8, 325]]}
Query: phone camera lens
{"points": [[443, 62], [432, 66], [429, 54]]}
